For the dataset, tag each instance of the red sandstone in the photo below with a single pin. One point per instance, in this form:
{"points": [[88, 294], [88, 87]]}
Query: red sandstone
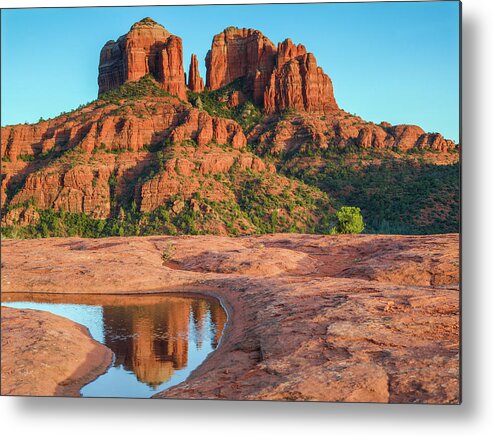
{"points": [[148, 48], [195, 82], [48, 355], [347, 318]]}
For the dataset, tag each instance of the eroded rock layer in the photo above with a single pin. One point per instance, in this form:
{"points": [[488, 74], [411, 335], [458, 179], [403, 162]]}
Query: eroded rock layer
{"points": [[97, 144], [278, 78], [195, 82], [351, 318], [47, 355], [148, 48], [340, 129]]}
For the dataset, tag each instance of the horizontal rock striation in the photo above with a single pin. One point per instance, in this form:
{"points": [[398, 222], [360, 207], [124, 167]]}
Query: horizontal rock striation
{"points": [[83, 152], [129, 127], [278, 78], [148, 48], [191, 170], [340, 129]]}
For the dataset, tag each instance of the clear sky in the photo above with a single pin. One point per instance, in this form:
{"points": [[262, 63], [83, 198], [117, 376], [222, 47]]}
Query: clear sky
{"points": [[395, 62]]}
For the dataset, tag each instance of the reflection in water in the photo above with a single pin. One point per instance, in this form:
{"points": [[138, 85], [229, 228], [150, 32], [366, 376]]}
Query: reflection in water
{"points": [[157, 340], [152, 341]]}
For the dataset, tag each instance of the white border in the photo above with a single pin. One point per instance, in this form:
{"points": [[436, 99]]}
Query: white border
{"points": [[128, 417]]}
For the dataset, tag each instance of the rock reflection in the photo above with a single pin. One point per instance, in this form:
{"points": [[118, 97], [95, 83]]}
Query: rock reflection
{"points": [[152, 340], [157, 339]]}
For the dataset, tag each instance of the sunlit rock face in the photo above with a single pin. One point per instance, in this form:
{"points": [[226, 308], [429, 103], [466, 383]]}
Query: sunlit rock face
{"points": [[239, 53], [195, 82], [148, 48], [277, 78], [298, 82]]}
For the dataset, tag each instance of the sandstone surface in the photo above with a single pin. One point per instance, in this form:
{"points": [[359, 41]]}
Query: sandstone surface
{"points": [[148, 48], [319, 318], [48, 355], [237, 53], [195, 82]]}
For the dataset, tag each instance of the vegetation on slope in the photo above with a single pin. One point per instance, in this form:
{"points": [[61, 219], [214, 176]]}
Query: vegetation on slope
{"points": [[401, 195], [145, 87], [246, 114], [254, 209]]}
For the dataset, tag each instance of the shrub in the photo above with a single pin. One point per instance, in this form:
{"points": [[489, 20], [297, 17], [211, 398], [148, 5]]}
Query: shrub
{"points": [[168, 252], [145, 87], [349, 221]]}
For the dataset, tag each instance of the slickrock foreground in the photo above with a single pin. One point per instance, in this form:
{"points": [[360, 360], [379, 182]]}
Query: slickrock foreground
{"points": [[333, 318], [45, 354]]}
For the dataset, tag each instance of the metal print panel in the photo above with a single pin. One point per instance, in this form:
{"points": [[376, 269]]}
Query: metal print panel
{"points": [[237, 202]]}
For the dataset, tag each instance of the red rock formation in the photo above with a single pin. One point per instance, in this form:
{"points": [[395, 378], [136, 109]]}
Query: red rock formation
{"points": [[148, 48], [406, 135], [372, 137], [186, 174], [297, 82], [61, 163], [435, 141], [84, 139], [203, 128], [99, 126], [239, 53], [340, 129], [170, 71], [236, 98], [195, 82], [80, 189], [286, 77]]}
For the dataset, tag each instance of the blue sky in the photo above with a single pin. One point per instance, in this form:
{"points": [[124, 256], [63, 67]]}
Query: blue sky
{"points": [[395, 62]]}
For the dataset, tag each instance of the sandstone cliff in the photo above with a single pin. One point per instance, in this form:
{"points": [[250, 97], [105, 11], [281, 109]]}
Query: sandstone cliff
{"points": [[239, 53], [149, 152], [126, 125], [142, 142], [297, 82], [195, 82], [148, 48], [340, 129], [278, 78]]}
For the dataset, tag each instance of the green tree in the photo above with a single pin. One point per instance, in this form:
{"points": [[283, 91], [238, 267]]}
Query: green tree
{"points": [[349, 221]]}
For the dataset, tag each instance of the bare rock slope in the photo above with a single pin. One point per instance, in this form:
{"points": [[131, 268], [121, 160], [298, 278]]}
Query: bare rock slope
{"points": [[45, 354], [347, 318]]}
